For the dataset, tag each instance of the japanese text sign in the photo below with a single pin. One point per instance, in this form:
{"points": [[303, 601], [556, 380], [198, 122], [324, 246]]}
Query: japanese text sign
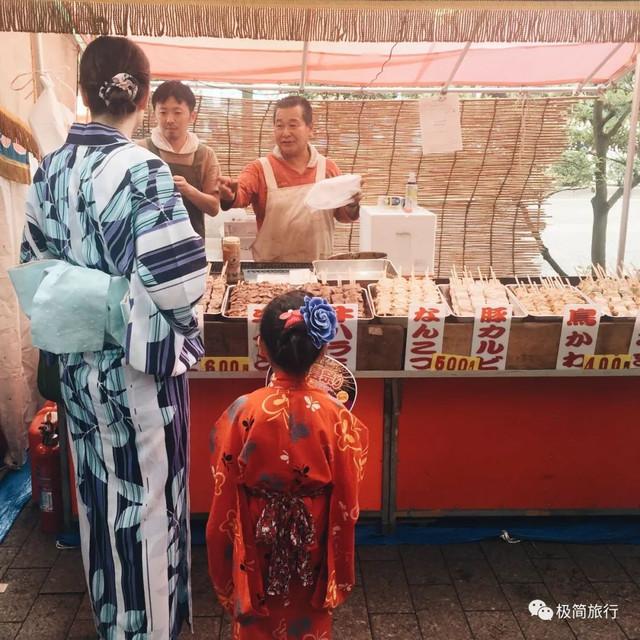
{"points": [[607, 362], [254, 315], [580, 323], [634, 345], [425, 333], [224, 363], [344, 346], [491, 330]]}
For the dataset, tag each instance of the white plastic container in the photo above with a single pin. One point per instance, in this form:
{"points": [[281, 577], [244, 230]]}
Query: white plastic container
{"points": [[408, 239]]}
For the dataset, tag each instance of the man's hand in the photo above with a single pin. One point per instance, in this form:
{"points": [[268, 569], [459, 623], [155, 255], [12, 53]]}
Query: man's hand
{"points": [[228, 189], [182, 185], [351, 212]]}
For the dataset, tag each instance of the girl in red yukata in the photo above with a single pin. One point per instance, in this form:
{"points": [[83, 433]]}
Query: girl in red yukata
{"points": [[287, 461]]}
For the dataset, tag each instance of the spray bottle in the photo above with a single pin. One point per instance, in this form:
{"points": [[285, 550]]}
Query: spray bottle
{"points": [[411, 193]]}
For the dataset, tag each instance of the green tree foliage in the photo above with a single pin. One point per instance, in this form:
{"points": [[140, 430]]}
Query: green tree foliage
{"points": [[596, 157]]}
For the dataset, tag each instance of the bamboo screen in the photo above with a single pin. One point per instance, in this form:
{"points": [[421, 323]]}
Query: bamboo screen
{"points": [[336, 20], [487, 196]]}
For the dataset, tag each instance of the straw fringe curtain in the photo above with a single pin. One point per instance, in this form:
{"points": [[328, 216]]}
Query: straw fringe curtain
{"points": [[356, 20], [482, 195], [18, 131]]}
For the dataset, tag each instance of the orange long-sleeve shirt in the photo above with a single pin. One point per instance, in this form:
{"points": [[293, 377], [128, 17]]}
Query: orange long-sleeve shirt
{"points": [[252, 184]]}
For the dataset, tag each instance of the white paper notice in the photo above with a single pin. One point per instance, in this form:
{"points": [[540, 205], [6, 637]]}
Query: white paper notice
{"points": [[440, 126]]}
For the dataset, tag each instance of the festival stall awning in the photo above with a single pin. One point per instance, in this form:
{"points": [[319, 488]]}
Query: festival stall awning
{"points": [[386, 64], [336, 20]]}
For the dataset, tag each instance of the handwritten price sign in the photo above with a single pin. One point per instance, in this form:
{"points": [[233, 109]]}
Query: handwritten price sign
{"points": [[239, 363], [608, 362], [451, 362]]}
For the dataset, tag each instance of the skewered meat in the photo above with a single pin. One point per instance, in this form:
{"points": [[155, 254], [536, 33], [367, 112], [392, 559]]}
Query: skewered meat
{"points": [[213, 294], [548, 298], [394, 295]]}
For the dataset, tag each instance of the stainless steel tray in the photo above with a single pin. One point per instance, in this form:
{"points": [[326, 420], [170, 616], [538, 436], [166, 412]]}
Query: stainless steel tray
{"points": [[368, 271], [605, 310], [368, 306], [518, 312], [207, 314], [398, 319], [534, 316]]}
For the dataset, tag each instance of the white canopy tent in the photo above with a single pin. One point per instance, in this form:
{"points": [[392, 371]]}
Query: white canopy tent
{"points": [[429, 45]]}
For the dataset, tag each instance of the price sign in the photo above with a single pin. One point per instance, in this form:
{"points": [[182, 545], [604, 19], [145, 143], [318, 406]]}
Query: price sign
{"points": [[425, 332], [225, 363], [451, 362], [490, 342], [634, 345], [254, 315], [607, 362], [344, 346], [580, 324]]}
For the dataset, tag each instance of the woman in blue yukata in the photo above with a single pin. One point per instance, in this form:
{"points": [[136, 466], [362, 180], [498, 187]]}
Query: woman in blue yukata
{"points": [[121, 269]]}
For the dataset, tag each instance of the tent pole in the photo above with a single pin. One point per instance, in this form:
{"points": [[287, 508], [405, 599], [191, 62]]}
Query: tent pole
{"points": [[593, 73], [631, 154], [461, 57], [303, 66], [37, 63]]}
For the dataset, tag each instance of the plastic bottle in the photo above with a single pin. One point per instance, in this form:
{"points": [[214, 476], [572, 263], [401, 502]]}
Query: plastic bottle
{"points": [[231, 256], [411, 193]]}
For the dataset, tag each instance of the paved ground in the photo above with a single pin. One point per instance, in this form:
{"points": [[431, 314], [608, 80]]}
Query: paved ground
{"points": [[446, 592]]}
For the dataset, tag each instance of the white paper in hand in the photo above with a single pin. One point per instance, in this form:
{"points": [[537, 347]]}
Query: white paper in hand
{"points": [[333, 193]]}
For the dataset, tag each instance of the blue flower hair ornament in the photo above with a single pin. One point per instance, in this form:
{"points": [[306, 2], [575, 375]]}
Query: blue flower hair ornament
{"points": [[319, 317]]}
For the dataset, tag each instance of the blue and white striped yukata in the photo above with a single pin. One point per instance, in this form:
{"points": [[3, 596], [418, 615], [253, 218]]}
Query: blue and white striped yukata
{"points": [[103, 202]]}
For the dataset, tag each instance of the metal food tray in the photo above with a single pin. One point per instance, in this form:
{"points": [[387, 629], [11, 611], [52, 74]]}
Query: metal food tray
{"points": [[604, 311], [398, 319], [368, 305], [207, 314], [370, 270], [251, 275], [512, 287], [518, 312]]}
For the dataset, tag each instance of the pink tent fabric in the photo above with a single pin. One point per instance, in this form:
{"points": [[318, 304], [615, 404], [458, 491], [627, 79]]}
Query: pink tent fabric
{"points": [[410, 65]]}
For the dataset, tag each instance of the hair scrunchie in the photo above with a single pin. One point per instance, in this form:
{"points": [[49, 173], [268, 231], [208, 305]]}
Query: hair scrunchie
{"points": [[122, 81]]}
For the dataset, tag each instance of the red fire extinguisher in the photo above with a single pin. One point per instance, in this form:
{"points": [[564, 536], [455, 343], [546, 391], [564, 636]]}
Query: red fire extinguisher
{"points": [[35, 437], [46, 462]]}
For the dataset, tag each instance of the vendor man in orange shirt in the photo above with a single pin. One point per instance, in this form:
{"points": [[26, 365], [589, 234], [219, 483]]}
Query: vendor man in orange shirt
{"points": [[194, 165], [276, 186]]}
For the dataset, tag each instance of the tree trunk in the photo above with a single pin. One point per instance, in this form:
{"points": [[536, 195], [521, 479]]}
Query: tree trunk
{"points": [[599, 201]]}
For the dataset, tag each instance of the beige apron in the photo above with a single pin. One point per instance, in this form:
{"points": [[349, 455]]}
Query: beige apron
{"points": [[291, 232]]}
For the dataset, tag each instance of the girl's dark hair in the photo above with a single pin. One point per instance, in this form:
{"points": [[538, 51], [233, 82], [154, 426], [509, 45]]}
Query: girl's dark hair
{"points": [[106, 57], [291, 350]]}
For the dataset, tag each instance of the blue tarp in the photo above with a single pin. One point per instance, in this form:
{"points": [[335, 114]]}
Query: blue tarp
{"points": [[583, 530], [15, 491]]}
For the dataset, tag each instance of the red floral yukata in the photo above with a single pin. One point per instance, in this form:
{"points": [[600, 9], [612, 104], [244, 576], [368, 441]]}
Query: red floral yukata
{"points": [[287, 461]]}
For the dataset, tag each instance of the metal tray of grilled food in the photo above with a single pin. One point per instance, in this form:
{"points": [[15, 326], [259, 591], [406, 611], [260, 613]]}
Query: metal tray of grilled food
{"points": [[542, 317], [363, 271], [368, 305], [518, 313], [398, 319], [205, 303]]}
